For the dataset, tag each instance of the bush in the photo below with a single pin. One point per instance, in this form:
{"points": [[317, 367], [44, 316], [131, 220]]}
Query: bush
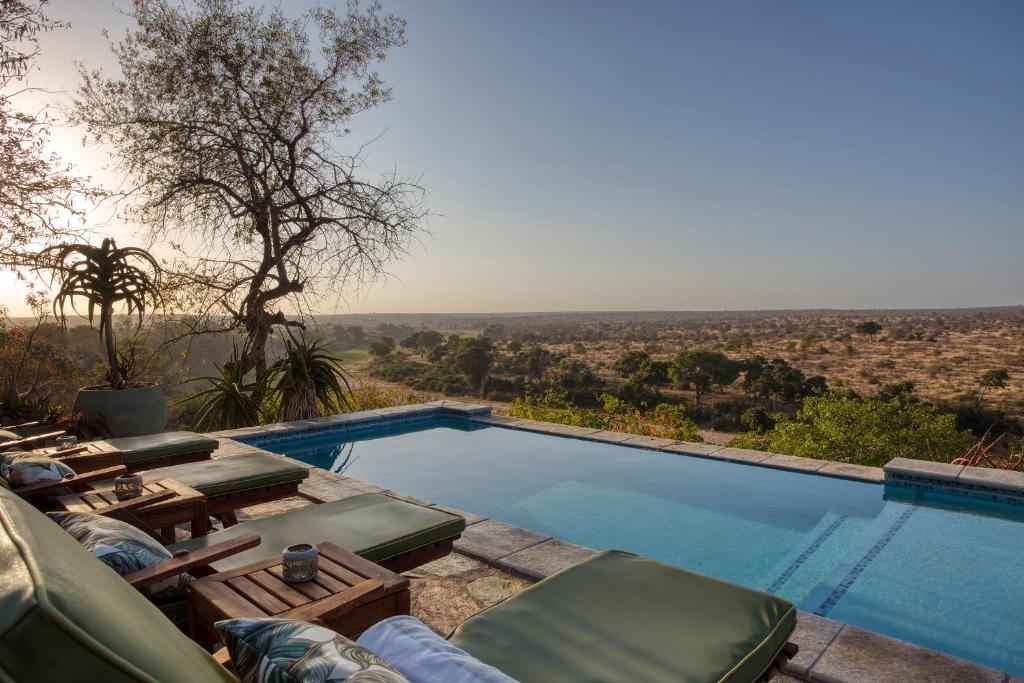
{"points": [[554, 406], [864, 431], [756, 420]]}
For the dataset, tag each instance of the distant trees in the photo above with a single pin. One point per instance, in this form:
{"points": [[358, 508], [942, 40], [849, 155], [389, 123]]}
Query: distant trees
{"points": [[381, 347], [629, 362], [700, 370], [992, 379], [868, 328], [474, 358], [225, 120], [423, 340], [537, 360], [777, 379]]}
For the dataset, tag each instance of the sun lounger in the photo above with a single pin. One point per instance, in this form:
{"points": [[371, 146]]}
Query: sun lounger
{"points": [[163, 449], [621, 617], [391, 532], [236, 481]]}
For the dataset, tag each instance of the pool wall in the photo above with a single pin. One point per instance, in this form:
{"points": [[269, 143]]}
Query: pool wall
{"points": [[829, 650]]}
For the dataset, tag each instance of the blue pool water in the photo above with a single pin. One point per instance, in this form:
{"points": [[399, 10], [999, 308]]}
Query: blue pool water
{"points": [[944, 576]]}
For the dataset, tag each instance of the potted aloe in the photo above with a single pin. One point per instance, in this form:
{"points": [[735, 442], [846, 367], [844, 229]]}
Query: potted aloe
{"points": [[106, 277]]}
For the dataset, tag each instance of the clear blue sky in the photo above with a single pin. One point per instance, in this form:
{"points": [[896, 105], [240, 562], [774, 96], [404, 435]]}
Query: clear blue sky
{"points": [[705, 155]]}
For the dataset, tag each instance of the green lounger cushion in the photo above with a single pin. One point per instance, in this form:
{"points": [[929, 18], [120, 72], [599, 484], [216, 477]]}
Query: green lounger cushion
{"points": [[64, 616], [621, 617], [373, 525], [232, 473], [164, 445]]}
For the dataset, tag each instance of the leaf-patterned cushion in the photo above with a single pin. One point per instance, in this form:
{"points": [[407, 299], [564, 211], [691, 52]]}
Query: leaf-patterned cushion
{"points": [[25, 469], [288, 651], [121, 547]]}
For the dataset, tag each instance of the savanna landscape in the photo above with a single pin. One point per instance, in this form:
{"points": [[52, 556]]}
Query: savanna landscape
{"points": [[629, 371]]}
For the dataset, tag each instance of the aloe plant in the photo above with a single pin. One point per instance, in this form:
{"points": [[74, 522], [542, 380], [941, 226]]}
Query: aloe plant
{"points": [[308, 380], [228, 402], [106, 277]]}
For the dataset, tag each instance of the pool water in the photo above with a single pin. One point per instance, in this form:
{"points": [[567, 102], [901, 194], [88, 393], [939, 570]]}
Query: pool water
{"points": [[941, 575]]}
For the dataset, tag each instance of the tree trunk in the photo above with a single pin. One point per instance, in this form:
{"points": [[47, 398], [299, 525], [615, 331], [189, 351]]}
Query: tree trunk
{"points": [[107, 322]]}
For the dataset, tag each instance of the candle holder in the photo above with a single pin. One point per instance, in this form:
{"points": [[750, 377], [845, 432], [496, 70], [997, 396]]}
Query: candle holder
{"points": [[66, 442], [300, 563], [128, 486]]}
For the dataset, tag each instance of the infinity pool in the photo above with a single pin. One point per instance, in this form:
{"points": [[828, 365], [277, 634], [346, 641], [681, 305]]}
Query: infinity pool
{"points": [[944, 576]]}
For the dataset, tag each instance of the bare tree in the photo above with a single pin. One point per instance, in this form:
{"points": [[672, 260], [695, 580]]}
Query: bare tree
{"points": [[39, 193], [225, 121]]}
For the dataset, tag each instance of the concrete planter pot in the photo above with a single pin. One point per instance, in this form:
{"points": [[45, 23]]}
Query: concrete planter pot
{"points": [[131, 412]]}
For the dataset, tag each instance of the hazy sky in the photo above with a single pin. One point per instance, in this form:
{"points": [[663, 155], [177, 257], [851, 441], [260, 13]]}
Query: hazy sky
{"points": [[705, 155]]}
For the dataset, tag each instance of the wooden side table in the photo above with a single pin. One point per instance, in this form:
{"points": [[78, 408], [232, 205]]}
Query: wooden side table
{"points": [[186, 506], [85, 457], [349, 595]]}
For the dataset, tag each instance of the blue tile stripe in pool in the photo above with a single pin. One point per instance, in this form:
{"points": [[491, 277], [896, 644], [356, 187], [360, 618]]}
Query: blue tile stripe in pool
{"points": [[839, 591], [805, 555]]}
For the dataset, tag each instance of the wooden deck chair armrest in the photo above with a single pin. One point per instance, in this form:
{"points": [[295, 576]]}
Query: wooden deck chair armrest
{"points": [[185, 561], [125, 510], [77, 482], [133, 504], [337, 605], [223, 657], [30, 442]]}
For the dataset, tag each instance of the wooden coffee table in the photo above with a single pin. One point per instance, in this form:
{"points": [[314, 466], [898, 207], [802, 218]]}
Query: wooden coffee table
{"points": [[186, 506], [349, 595]]}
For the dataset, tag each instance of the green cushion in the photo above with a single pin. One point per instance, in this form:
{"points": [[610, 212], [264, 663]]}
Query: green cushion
{"points": [[373, 525], [138, 449], [232, 473], [620, 617], [64, 616]]}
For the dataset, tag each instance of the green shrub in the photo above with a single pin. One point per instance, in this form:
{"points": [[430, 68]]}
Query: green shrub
{"points": [[865, 431]]}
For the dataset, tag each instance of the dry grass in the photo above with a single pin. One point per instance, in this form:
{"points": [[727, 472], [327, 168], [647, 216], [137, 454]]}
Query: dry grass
{"points": [[943, 354]]}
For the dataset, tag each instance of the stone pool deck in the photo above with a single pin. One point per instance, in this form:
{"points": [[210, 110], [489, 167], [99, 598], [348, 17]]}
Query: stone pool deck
{"points": [[495, 560]]}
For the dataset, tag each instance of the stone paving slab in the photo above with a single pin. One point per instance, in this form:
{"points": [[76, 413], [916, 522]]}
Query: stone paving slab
{"points": [[866, 657], [407, 498], [812, 635], [470, 517], [987, 477], [497, 420], [573, 431], [330, 488], [848, 470], [742, 455], [924, 469], [608, 436], [793, 462], [545, 558], [490, 541], [704, 450], [652, 442]]}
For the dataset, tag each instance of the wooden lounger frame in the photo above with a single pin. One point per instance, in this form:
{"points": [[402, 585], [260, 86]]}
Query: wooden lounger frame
{"points": [[419, 556], [224, 506], [787, 653], [169, 461]]}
